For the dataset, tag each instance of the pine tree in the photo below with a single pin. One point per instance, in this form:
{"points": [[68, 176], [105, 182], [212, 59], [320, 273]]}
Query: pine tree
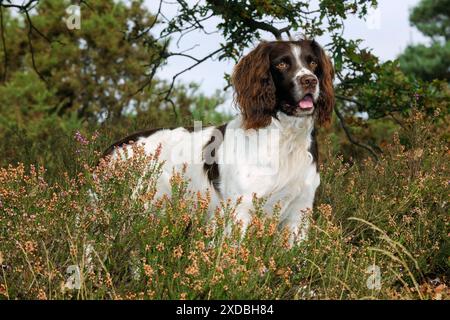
{"points": [[432, 18]]}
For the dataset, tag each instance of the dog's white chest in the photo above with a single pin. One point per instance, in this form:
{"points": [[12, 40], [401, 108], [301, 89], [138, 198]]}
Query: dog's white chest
{"points": [[280, 169]]}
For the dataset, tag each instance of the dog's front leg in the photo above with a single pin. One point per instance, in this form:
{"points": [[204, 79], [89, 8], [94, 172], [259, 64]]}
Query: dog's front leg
{"points": [[296, 220], [242, 216]]}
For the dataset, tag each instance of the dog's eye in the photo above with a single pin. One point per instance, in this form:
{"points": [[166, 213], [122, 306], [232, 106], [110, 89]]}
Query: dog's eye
{"points": [[313, 64], [281, 66]]}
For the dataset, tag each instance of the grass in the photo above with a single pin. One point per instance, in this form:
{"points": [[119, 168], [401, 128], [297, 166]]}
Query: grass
{"points": [[391, 216]]}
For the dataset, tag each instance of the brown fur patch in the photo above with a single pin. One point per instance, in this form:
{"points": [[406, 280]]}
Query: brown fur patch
{"points": [[254, 87], [326, 101]]}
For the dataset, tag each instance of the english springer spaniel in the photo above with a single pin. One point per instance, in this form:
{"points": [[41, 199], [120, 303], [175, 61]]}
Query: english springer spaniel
{"points": [[281, 88]]}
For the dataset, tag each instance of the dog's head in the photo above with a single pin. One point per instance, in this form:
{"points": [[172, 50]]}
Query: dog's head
{"points": [[294, 77]]}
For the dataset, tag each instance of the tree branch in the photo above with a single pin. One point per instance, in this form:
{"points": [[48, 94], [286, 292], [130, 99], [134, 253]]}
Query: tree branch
{"points": [[349, 135], [5, 54], [155, 67], [199, 61], [139, 35], [277, 33], [341, 97], [20, 7], [25, 9], [254, 24], [30, 32], [180, 54]]}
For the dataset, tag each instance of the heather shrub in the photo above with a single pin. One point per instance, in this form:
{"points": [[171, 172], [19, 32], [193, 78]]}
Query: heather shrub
{"points": [[379, 230]]}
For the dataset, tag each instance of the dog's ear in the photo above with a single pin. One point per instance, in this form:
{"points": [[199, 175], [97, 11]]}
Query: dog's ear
{"points": [[325, 72], [254, 87]]}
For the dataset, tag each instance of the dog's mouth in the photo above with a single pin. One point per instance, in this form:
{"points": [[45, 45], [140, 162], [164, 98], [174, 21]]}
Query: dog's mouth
{"points": [[306, 103]]}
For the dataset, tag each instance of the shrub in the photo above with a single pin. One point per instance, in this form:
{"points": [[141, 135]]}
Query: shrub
{"points": [[125, 241]]}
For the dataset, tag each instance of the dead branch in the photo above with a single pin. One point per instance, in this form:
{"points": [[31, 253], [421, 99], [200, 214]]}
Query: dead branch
{"points": [[30, 44], [5, 54], [349, 135], [25, 10], [151, 25], [199, 61], [254, 24]]}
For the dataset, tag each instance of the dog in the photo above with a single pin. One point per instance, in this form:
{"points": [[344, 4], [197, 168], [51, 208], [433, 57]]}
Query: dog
{"points": [[283, 91]]}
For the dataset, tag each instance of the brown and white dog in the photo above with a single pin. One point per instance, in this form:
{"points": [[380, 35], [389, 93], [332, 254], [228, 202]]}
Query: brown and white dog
{"points": [[282, 89]]}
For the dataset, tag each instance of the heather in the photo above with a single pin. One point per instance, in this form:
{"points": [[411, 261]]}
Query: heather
{"points": [[74, 227], [389, 215]]}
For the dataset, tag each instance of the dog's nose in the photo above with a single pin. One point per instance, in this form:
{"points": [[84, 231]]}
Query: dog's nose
{"points": [[308, 81]]}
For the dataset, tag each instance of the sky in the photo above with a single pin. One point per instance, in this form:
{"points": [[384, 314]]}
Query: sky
{"points": [[387, 32]]}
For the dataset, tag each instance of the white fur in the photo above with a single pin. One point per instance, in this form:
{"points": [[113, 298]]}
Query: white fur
{"points": [[284, 171], [250, 162], [293, 183], [302, 71]]}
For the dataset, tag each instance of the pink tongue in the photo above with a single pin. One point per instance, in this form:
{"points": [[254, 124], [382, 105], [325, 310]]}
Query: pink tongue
{"points": [[306, 103]]}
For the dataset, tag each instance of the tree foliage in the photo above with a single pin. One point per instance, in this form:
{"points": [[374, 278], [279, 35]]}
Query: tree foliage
{"points": [[110, 68], [432, 18], [364, 84], [56, 77]]}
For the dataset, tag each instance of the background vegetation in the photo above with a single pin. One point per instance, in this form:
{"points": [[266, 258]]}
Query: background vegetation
{"points": [[66, 94]]}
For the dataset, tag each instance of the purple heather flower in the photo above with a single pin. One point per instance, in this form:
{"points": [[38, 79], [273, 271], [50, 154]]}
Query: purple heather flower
{"points": [[79, 137]]}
